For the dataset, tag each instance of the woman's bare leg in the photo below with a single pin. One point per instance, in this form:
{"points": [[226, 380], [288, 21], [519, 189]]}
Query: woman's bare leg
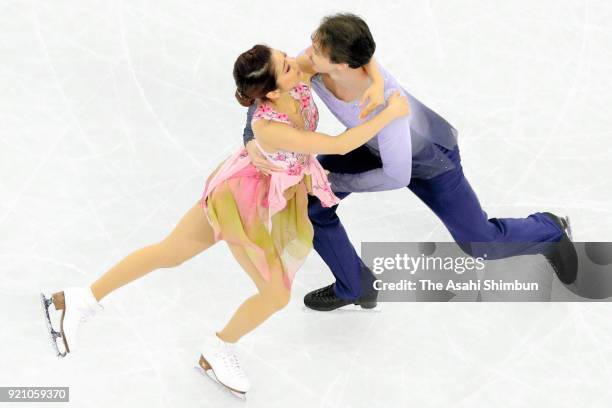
{"points": [[272, 296], [192, 235]]}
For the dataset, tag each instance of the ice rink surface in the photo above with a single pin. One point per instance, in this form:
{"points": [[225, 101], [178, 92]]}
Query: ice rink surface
{"points": [[113, 113]]}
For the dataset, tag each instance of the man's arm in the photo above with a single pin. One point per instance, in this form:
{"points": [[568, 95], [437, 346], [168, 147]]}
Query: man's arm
{"points": [[395, 145], [258, 160], [247, 134]]}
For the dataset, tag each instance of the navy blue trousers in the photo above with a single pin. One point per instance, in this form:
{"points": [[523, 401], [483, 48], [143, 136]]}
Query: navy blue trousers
{"points": [[449, 196]]}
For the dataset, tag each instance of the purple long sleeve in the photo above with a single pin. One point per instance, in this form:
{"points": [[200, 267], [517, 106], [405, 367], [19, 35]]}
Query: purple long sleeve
{"points": [[393, 144], [394, 147], [408, 147]]}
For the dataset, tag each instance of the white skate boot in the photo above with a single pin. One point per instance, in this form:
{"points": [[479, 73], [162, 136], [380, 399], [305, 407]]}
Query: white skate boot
{"points": [[77, 306], [219, 361]]}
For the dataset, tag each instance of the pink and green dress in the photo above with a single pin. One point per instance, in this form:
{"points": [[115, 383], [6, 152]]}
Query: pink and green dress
{"points": [[268, 215]]}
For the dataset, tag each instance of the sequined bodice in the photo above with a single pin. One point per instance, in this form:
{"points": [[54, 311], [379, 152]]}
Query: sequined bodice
{"points": [[310, 115]]}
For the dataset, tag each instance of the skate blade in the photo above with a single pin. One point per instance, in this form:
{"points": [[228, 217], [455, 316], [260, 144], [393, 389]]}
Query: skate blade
{"points": [[53, 334], [211, 374], [346, 309]]}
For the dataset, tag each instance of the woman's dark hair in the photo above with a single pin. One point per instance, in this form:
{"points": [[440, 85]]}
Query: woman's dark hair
{"points": [[345, 38], [254, 74]]}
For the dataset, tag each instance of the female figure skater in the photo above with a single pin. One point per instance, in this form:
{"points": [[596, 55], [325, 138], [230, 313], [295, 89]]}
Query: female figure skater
{"points": [[263, 218]]}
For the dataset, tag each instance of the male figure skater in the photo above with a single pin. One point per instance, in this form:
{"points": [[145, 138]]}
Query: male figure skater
{"points": [[419, 151]]}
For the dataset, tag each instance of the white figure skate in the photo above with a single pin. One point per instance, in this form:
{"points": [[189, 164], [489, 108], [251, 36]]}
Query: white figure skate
{"points": [[77, 306], [219, 362]]}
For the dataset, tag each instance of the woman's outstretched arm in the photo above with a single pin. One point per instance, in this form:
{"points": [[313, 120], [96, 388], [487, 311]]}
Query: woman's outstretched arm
{"points": [[284, 137]]}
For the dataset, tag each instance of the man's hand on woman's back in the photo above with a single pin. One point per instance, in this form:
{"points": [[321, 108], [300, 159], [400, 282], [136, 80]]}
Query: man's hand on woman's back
{"points": [[260, 161]]}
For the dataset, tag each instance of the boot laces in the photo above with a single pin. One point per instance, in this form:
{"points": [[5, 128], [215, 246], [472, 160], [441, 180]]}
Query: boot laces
{"points": [[327, 291], [85, 317], [89, 312], [231, 360]]}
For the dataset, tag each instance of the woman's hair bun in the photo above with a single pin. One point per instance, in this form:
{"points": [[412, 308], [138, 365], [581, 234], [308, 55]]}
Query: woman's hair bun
{"points": [[243, 99], [254, 75]]}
